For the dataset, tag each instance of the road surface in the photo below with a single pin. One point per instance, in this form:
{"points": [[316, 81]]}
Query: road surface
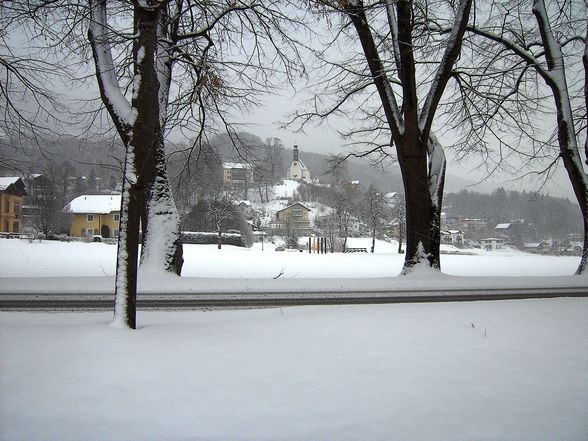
{"points": [[164, 301]]}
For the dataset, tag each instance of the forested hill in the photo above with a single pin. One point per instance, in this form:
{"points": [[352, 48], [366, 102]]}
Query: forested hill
{"points": [[103, 158], [552, 217]]}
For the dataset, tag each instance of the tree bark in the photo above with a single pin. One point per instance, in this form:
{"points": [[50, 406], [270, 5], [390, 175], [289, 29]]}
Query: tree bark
{"points": [[566, 134], [146, 198], [125, 293], [422, 176]]}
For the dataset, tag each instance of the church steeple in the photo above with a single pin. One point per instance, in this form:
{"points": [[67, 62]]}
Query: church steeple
{"points": [[298, 171]]}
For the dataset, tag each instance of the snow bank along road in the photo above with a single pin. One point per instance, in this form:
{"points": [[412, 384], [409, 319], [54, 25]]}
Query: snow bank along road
{"points": [[100, 301]]}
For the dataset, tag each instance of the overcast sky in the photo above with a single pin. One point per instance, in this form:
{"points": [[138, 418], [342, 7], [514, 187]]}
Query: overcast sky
{"points": [[266, 121]]}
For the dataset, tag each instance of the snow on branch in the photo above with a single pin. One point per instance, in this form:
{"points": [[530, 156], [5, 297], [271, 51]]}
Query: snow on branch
{"points": [[356, 13], [393, 25], [437, 165], [585, 63], [452, 51], [515, 48], [116, 103]]}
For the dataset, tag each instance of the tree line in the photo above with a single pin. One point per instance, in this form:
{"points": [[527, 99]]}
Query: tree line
{"points": [[547, 217]]}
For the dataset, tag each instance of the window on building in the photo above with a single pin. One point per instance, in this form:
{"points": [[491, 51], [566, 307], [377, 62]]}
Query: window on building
{"points": [[7, 205], [114, 233], [116, 217], [16, 207], [297, 212], [90, 218], [15, 227]]}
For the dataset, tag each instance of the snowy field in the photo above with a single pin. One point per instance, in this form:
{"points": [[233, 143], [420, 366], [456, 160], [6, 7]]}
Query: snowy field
{"points": [[21, 258], [507, 370], [54, 267]]}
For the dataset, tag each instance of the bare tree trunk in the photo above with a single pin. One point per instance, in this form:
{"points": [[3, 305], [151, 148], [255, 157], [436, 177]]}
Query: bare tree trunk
{"points": [[162, 246], [146, 193], [420, 156], [125, 293], [566, 134]]}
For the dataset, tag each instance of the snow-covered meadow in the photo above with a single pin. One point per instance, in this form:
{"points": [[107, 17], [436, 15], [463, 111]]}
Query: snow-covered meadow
{"points": [[24, 259], [505, 370], [510, 370]]}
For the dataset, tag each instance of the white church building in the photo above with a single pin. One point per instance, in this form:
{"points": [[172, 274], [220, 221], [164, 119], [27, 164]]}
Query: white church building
{"points": [[297, 170]]}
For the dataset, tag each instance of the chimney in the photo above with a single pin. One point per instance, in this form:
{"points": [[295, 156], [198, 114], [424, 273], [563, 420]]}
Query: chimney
{"points": [[295, 153]]}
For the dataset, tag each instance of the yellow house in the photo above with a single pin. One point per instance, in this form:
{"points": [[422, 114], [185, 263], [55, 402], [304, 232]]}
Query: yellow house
{"points": [[12, 189], [94, 215]]}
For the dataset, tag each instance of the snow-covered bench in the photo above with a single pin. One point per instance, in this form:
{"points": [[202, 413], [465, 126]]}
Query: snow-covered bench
{"points": [[355, 250]]}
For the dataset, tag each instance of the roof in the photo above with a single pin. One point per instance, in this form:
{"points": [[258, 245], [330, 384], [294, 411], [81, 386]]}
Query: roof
{"points": [[94, 204], [502, 226], [534, 244], [493, 239], [236, 165], [290, 206], [14, 184], [301, 164], [7, 181]]}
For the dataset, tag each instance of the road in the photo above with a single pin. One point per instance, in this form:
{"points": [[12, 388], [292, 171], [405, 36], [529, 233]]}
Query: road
{"points": [[163, 301]]}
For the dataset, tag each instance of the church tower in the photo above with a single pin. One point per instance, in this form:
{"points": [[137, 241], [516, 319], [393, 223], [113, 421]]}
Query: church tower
{"points": [[297, 170]]}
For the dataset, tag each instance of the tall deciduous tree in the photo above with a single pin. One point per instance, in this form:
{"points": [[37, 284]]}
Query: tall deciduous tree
{"points": [[396, 41], [523, 45], [197, 39], [163, 64], [374, 212]]}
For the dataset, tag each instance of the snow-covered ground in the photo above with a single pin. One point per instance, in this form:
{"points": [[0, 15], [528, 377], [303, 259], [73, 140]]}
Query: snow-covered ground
{"points": [[53, 267], [21, 258], [509, 370]]}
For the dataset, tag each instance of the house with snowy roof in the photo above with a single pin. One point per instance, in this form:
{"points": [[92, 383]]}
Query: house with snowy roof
{"points": [[12, 190], [452, 237], [94, 215]]}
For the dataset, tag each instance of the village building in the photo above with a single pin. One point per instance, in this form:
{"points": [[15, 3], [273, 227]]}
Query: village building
{"points": [[12, 190], [237, 174], [293, 218], [297, 170], [504, 228], [94, 215], [492, 243], [452, 237]]}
